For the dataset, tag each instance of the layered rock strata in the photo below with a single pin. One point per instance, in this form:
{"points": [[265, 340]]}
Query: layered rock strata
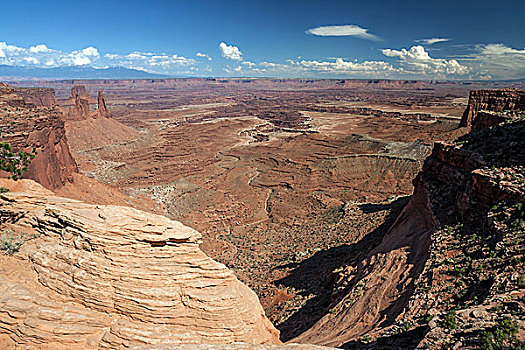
{"points": [[491, 101], [112, 277], [39, 97], [466, 212]]}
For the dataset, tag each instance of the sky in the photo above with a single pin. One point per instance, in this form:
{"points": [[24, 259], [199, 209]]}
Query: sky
{"points": [[410, 39]]}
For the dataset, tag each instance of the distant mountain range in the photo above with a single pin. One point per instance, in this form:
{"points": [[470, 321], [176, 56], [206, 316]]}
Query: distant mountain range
{"points": [[76, 72]]}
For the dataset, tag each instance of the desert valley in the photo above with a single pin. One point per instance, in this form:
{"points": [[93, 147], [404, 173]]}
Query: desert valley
{"points": [[360, 213], [262, 175]]}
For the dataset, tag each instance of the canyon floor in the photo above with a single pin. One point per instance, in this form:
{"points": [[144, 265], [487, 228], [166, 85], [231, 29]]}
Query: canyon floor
{"points": [[289, 182]]}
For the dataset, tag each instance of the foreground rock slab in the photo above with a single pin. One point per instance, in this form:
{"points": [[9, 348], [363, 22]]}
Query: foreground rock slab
{"points": [[112, 277]]}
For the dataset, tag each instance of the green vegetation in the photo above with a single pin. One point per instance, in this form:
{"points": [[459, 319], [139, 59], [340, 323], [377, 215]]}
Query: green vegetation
{"points": [[11, 161], [450, 320], [502, 336], [9, 243]]}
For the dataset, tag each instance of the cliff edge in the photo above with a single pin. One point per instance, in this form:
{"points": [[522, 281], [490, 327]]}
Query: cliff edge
{"points": [[450, 271]]}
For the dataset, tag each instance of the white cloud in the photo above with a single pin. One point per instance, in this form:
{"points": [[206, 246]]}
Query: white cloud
{"points": [[498, 61], [500, 50], [200, 54], [39, 48], [342, 30], [42, 56], [432, 41], [417, 61], [90, 51], [338, 67], [249, 64], [230, 52], [31, 60], [149, 61]]}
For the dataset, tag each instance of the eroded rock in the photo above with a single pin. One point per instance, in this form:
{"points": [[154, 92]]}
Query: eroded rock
{"points": [[110, 276]]}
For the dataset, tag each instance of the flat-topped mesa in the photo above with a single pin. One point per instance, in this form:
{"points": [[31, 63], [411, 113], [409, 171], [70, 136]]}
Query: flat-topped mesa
{"points": [[114, 277], [481, 103]]}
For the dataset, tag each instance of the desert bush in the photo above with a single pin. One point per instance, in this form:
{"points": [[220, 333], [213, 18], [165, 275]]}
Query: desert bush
{"points": [[502, 336], [450, 320], [9, 243]]}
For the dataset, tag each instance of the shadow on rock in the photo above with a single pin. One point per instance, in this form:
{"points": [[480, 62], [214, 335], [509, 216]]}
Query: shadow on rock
{"points": [[406, 341], [314, 277]]}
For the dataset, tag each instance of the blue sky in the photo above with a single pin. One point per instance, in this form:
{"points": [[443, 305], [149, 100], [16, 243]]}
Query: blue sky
{"points": [[323, 39]]}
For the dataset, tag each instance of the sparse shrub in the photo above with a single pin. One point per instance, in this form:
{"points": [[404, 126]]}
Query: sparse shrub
{"points": [[4, 190], [521, 281], [502, 336], [9, 244], [427, 318], [450, 320], [11, 161]]}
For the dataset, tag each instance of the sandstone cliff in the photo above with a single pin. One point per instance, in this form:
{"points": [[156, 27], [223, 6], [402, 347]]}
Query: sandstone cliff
{"points": [[42, 128], [113, 277], [491, 101], [447, 274]]}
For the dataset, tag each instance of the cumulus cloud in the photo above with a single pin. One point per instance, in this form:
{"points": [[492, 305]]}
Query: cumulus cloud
{"points": [[39, 48], [340, 66], [230, 52], [90, 51], [249, 64], [432, 41], [417, 61], [200, 54], [342, 30]]}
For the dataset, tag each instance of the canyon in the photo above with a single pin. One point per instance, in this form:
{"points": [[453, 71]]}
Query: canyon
{"points": [[328, 198]]}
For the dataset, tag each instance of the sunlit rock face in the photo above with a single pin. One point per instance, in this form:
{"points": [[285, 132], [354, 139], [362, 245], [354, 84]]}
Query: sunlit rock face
{"points": [[110, 276]]}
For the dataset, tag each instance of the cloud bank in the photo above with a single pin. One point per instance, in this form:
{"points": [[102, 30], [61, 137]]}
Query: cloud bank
{"points": [[342, 30], [41, 56], [487, 61]]}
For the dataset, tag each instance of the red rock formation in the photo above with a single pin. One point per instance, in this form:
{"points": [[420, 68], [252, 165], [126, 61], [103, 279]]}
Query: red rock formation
{"points": [[80, 101], [53, 165], [455, 186], [80, 110], [491, 100], [102, 107], [80, 91]]}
